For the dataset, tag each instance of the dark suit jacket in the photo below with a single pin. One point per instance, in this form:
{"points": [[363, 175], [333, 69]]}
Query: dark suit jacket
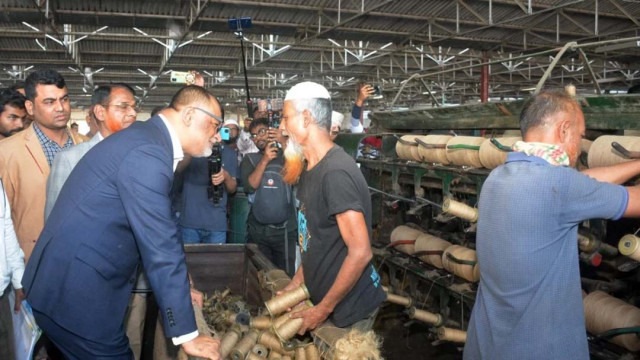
{"points": [[113, 211]]}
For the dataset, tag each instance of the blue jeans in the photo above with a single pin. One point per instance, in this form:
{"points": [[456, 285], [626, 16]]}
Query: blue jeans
{"points": [[202, 236]]}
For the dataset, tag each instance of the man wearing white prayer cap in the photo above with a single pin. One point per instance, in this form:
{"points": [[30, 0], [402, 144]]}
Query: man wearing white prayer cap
{"points": [[334, 218]]}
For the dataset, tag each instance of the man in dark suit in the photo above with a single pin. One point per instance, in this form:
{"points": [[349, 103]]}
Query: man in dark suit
{"points": [[80, 277]]}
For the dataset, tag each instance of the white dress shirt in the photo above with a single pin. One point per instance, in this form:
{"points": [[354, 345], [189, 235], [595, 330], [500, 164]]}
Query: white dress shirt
{"points": [[11, 255]]}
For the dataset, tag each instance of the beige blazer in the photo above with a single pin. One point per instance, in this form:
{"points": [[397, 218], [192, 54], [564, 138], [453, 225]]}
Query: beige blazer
{"points": [[24, 170]]}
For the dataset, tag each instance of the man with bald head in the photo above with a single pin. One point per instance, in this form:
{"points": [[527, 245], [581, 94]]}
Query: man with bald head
{"points": [[80, 277], [529, 303], [334, 220]]}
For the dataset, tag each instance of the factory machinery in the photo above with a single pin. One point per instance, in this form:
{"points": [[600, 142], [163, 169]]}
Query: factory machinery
{"points": [[425, 183]]}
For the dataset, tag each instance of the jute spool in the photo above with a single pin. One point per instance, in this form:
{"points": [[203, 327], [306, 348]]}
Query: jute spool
{"points": [[490, 156], [604, 312], [460, 210], [274, 355], [629, 245], [585, 145], [244, 346], [454, 335], [427, 242], [269, 340], [406, 148], [260, 322], [260, 349], [602, 154], [228, 341], [400, 300], [284, 301], [301, 354], [434, 155], [404, 232], [465, 157], [253, 356], [286, 357], [287, 330], [425, 316], [465, 271], [311, 352]]}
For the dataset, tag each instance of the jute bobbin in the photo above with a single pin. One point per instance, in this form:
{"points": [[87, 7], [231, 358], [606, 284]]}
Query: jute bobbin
{"points": [[604, 312], [434, 155], [428, 242], [301, 354], [244, 346], [406, 148], [404, 232], [286, 300], [312, 352], [269, 340], [260, 349], [400, 300], [602, 154], [287, 330], [274, 355], [228, 341], [260, 322], [629, 245], [460, 253], [286, 357], [454, 335], [460, 210], [425, 316], [465, 157], [254, 356], [490, 156]]}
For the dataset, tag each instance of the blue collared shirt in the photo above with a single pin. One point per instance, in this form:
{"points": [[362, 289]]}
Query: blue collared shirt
{"points": [[50, 147]]}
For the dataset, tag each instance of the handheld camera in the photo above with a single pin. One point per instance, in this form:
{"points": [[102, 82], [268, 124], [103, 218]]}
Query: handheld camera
{"points": [[183, 77], [214, 192], [225, 133], [377, 92]]}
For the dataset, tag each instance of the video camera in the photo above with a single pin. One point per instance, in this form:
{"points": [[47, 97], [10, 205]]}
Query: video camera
{"points": [[214, 192]]}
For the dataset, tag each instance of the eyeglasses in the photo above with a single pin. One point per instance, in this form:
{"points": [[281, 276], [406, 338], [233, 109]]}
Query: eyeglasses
{"points": [[260, 133], [215, 117], [124, 106]]}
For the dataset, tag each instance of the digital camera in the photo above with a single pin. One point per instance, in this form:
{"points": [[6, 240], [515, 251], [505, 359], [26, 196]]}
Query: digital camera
{"points": [[225, 133]]}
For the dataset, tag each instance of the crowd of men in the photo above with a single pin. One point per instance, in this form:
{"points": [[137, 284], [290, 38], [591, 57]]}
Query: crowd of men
{"points": [[90, 223]]}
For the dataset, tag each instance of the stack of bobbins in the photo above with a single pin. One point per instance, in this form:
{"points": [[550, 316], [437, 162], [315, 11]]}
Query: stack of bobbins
{"points": [[461, 210], [244, 346], [425, 316], [462, 262], [602, 154], [408, 237], [430, 243], [629, 245], [432, 148], [228, 341], [453, 335], [465, 157], [603, 312], [490, 156]]}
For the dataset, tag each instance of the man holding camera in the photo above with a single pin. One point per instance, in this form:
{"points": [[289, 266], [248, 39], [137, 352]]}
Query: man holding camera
{"points": [[203, 216], [271, 222]]}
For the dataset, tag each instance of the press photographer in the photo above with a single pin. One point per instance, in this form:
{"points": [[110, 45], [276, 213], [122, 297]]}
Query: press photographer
{"points": [[207, 183]]}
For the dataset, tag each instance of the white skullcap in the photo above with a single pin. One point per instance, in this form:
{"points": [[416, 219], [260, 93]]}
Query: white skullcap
{"points": [[307, 90], [230, 122], [336, 119]]}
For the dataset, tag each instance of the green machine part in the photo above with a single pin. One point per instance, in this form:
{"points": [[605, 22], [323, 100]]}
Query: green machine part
{"points": [[238, 220]]}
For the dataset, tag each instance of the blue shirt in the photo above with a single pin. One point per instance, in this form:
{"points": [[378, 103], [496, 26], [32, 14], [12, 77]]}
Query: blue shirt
{"points": [[50, 147], [529, 302], [197, 211]]}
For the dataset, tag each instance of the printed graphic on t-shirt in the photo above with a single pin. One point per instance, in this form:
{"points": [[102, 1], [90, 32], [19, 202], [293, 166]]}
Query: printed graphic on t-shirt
{"points": [[303, 235], [269, 184], [374, 276]]}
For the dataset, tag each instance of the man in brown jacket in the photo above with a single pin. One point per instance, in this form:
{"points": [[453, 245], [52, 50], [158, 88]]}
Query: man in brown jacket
{"points": [[25, 158]]}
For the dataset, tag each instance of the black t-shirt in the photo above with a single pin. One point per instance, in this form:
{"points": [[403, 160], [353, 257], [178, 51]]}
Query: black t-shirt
{"points": [[334, 186]]}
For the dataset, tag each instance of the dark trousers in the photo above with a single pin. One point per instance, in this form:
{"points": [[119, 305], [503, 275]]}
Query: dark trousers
{"points": [[271, 243], [7, 345], [74, 346]]}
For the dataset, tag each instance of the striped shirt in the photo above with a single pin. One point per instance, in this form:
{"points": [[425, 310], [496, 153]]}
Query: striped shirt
{"points": [[50, 147]]}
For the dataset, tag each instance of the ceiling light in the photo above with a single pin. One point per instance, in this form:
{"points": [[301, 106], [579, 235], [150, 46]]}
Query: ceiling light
{"points": [[386, 46], [41, 46], [334, 42], [203, 35], [54, 39], [30, 26]]}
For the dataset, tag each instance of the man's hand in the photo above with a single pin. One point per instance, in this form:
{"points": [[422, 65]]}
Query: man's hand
{"points": [[363, 93], [19, 298], [270, 152], [312, 317], [217, 179], [203, 346], [277, 135], [197, 298]]}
